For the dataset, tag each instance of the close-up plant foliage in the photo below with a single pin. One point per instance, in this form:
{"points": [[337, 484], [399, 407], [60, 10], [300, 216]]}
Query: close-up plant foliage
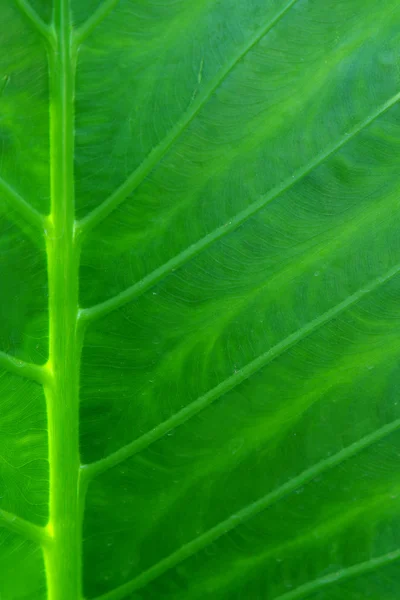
{"points": [[199, 299]]}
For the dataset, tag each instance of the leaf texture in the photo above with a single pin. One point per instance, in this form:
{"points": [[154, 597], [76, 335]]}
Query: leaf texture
{"points": [[200, 285]]}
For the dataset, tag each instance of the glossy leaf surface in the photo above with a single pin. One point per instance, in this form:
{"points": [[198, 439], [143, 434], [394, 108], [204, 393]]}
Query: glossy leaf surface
{"points": [[200, 299]]}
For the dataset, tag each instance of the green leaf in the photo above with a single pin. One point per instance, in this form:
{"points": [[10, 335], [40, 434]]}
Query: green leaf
{"points": [[200, 292]]}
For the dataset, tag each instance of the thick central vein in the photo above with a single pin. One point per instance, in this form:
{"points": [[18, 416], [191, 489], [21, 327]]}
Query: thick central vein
{"points": [[63, 555]]}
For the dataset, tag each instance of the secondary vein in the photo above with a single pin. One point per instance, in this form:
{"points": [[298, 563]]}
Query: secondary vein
{"points": [[25, 528], [35, 19], [342, 575], [139, 288], [21, 206], [156, 155], [248, 512], [14, 365], [102, 465], [94, 20]]}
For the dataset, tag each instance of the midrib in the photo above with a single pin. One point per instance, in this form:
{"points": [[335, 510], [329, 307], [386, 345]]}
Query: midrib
{"points": [[63, 553]]}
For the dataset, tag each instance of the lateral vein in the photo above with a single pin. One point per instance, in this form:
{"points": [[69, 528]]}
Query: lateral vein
{"points": [[342, 575], [94, 20], [251, 510], [24, 369], [139, 288], [21, 206], [91, 470], [26, 528], [35, 19], [158, 152]]}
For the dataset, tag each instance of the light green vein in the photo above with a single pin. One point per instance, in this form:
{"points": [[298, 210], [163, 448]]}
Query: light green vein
{"points": [[63, 562], [35, 19], [228, 384], [21, 206], [248, 512], [94, 20], [14, 365], [103, 308], [155, 156], [25, 528], [248, 568], [337, 577]]}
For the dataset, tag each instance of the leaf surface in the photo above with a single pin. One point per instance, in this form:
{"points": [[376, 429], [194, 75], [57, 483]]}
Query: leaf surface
{"points": [[200, 285]]}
